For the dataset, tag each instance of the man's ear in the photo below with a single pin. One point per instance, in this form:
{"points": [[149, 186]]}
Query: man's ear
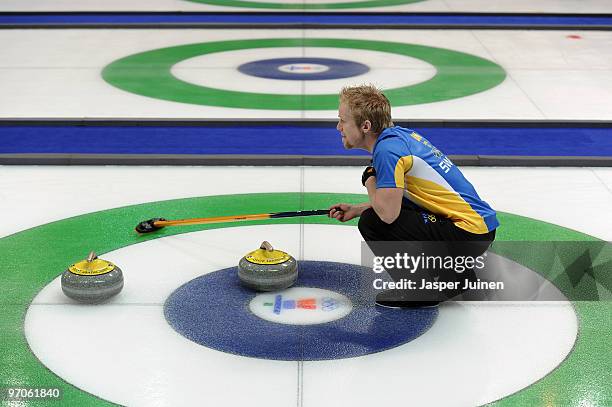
{"points": [[366, 126]]}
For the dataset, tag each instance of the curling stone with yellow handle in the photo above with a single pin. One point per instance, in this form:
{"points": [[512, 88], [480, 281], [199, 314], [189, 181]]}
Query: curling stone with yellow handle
{"points": [[267, 269], [92, 280]]}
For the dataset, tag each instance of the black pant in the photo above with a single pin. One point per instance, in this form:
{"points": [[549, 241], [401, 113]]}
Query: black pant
{"points": [[417, 225]]}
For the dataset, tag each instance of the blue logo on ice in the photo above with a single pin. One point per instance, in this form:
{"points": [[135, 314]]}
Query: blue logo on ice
{"points": [[280, 304], [303, 68], [327, 304], [301, 306]]}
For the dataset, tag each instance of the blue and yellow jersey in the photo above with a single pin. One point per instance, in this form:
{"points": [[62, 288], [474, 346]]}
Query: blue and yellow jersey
{"points": [[404, 159]]}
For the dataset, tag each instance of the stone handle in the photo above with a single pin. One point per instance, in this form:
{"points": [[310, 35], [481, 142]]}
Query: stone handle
{"points": [[266, 245], [92, 256]]}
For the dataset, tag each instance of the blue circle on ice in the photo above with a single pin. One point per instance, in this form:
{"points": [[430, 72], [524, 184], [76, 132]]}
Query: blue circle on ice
{"points": [[215, 310], [303, 69]]}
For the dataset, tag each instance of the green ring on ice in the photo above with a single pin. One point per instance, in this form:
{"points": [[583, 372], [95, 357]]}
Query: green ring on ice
{"points": [[149, 74], [32, 258]]}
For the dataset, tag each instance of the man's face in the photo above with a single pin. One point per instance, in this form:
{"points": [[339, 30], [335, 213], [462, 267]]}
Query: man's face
{"points": [[352, 134]]}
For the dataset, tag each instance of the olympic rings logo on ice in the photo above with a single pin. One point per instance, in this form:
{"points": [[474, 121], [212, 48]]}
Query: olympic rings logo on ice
{"points": [[301, 306], [303, 68]]}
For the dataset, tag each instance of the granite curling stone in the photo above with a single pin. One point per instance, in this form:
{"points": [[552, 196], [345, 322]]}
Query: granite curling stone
{"points": [[266, 269], [92, 280]]}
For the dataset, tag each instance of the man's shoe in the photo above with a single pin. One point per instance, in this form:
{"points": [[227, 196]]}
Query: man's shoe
{"points": [[399, 299]]}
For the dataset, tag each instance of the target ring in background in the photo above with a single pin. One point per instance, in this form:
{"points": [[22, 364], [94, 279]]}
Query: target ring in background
{"points": [[196, 311], [149, 74], [303, 69], [306, 6]]}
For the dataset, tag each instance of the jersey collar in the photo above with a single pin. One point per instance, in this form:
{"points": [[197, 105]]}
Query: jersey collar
{"points": [[386, 133]]}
